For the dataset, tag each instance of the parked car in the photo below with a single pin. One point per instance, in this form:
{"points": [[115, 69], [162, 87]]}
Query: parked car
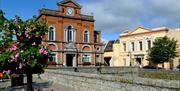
{"points": [[149, 67]]}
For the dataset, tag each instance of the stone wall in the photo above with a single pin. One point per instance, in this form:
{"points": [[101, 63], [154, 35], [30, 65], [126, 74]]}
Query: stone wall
{"points": [[123, 71], [80, 81]]}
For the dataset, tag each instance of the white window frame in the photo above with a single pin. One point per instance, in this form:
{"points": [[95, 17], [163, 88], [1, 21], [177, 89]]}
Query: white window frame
{"points": [[54, 33], [140, 43], [124, 47], [56, 60], [73, 34], [85, 36], [132, 46], [88, 55]]}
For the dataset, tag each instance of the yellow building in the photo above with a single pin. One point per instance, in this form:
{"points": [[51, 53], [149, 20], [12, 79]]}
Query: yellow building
{"points": [[131, 49], [134, 45], [174, 33]]}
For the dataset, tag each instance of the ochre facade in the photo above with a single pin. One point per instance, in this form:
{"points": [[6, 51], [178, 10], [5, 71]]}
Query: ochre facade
{"points": [[71, 35]]}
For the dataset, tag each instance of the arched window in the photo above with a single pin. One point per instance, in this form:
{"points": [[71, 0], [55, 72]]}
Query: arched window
{"points": [[86, 36], [51, 34], [70, 34]]}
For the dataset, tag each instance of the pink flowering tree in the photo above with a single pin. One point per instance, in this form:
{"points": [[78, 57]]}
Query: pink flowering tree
{"points": [[21, 50]]}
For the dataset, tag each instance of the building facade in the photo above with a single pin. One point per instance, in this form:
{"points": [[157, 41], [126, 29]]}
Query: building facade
{"points": [[134, 45], [132, 48], [71, 35], [108, 53], [174, 33]]}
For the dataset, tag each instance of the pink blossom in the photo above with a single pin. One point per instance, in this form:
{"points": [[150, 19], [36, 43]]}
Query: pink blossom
{"points": [[45, 52], [7, 72], [41, 50], [12, 58], [13, 48]]}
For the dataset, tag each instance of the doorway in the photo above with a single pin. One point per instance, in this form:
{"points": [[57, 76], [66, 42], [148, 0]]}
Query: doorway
{"points": [[69, 60], [138, 60], [107, 61]]}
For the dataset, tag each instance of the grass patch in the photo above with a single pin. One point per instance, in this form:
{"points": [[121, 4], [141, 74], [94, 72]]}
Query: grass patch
{"points": [[161, 75]]}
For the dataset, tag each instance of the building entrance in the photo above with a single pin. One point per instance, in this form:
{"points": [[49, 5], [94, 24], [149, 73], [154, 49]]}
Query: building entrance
{"points": [[107, 61], [69, 60]]}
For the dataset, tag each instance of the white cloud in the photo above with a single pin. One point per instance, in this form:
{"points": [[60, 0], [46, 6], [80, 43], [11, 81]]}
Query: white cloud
{"points": [[115, 16]]}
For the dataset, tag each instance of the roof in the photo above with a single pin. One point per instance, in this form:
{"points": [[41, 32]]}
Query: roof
{"points": [[66, 1], [55, 13], [109, 46], [138, 30]]}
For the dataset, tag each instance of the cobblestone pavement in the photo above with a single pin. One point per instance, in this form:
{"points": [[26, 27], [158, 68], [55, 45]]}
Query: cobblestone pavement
{"points": [[40, 84]]}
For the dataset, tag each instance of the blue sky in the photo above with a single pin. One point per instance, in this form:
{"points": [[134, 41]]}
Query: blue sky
{"points": [[112, 16]]}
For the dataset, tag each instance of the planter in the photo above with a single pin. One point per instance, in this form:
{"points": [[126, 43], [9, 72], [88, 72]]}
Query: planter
{"points": [[17, 81], [86, 63]]}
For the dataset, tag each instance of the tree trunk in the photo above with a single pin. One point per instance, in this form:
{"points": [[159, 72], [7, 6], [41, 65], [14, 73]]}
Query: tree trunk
{"points": [[29, 82]]}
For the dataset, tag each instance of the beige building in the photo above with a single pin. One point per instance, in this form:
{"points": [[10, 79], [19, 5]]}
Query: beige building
{"points": [[133, 45], [108, 53], [175, 33]]}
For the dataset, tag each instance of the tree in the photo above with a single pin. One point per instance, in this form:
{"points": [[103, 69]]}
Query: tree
{"points": [[2, 18], [164, 50], [26, 55]]}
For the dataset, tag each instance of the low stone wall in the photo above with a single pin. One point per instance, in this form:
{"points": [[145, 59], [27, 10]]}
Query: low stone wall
{"points": [[100, 82], [123, 71]]}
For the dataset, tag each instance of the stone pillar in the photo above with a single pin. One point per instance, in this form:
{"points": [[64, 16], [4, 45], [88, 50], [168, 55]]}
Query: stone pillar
{"points": [[64, 63], [74, 61]]}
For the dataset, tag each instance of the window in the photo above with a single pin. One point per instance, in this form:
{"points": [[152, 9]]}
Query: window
{"points": [[69, 34], [86, 58], [132, 46], [124, 59], [52, 59], [95, 37], [97, 58], [149, 44], [124, 46], [86, 36], [51, 34], [98, 49], [140, 45]]}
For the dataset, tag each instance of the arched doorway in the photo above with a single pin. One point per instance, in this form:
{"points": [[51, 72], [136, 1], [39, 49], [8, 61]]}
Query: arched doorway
{"points": [[69, 60]]}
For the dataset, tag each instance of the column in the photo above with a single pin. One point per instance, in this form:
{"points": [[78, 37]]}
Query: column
{"points": [[74, 61], [64, 63]]}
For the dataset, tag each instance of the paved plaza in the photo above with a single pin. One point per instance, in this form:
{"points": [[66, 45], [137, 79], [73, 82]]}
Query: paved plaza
{"points": [[38, 84]]}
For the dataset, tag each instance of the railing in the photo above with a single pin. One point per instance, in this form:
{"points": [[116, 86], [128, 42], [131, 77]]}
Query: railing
{"points": [[48, 11], [58, 13], [87, 17]]}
